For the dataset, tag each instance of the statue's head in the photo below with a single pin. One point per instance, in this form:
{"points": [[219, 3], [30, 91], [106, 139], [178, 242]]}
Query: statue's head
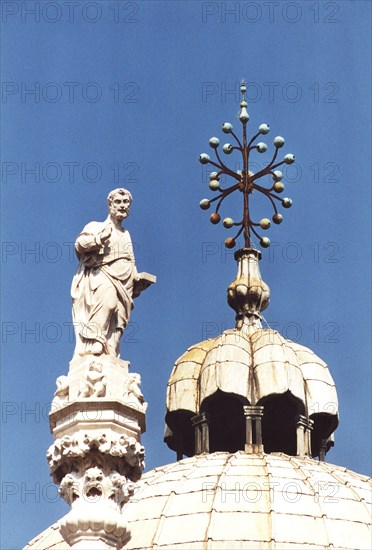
{"points": [[95, 366], [135, 378], [119, 201]]}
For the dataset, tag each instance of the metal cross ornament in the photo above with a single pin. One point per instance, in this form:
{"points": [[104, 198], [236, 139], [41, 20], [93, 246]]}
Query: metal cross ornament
{"points": [[246, 181]]}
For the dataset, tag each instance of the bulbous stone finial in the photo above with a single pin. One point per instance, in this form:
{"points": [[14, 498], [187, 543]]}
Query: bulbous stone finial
{"points": [[248, 294]]}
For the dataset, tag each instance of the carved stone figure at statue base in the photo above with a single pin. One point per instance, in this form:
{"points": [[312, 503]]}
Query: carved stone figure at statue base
{"points": [[97, 383]]}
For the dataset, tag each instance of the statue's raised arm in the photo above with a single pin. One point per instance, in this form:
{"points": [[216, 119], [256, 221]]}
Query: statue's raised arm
{"points": [[106, 280]]}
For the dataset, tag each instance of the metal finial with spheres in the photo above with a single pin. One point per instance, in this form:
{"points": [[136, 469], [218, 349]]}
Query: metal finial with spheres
{"points": [[246, 180]]}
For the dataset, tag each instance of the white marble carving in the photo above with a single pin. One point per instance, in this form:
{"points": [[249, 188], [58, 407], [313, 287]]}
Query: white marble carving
{"points": [[61, 452], [95, 483], [106, 280], [95, 382], [133, 395], [62, 391], [96, 495]]}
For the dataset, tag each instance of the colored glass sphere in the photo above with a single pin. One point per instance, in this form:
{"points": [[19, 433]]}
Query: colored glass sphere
{"points": [[204, 158], [227, 127], [278, 187], [279, 142], [277, 218], [214, 185], [261, 147], [204, 204], [265, 223], [287, 203], [214, 142], [265, 242], [289, 159], [264, 129], [215, 218], [230, 242], [228, 222]]}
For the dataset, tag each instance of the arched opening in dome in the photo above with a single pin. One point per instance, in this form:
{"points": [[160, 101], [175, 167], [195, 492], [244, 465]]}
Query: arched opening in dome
{"points": [[324, 425], [279, 423], [226, 422], [179, 433]]}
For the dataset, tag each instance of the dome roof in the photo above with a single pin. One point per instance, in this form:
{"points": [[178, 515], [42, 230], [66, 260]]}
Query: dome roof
{"points": [[253, 366], [240, 500]]}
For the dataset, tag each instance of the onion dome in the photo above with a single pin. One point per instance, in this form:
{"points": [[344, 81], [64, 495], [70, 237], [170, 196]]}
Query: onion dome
{"points": [[250, 388], [240, 500]]}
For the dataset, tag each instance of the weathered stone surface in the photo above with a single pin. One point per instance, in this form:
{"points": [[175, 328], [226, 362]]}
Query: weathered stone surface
{"points": [[104, 377], [240, 501], [251, 366], [97, 417]]}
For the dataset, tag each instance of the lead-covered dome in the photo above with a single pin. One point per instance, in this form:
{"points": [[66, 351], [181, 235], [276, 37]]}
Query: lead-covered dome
{"points": [[261, 368], [244, 501], [250, 379]]}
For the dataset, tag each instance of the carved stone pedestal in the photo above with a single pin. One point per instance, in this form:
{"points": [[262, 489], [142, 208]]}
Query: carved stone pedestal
{"points": [[96, 496], [97, 417], [94, 527]]}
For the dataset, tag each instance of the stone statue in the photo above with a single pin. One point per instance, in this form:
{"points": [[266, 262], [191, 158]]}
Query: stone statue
{"points": [[106, 281], [134, 392], [61, 393], [95, 382]]}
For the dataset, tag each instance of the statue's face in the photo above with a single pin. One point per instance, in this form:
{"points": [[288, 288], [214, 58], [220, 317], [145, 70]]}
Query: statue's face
{"points": [[119, 206]]}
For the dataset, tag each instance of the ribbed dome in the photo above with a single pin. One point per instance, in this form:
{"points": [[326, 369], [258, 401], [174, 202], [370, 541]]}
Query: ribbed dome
{"points": [[244, 501], [259, 368]]}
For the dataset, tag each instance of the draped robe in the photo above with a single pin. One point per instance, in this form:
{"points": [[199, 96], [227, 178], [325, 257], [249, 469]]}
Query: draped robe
{"points": [[102, 288]]}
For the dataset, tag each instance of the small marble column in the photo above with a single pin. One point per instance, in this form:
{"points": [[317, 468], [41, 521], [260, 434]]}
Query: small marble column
{"points": [[200, 424], [253, 428], [303, 431]]}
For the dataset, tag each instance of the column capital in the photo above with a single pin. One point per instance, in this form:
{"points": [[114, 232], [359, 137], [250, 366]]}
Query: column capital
{"points": [[199, 419], [253, 410]]}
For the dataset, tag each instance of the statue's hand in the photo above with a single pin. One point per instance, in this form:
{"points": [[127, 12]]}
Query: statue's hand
{"points": [[106, 233]]}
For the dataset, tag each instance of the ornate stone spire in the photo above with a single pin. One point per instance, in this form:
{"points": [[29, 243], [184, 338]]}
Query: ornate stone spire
{"points": [[98, 411]]}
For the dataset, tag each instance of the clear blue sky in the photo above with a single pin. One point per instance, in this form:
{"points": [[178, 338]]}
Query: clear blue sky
{"points": [[129, 93]]}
